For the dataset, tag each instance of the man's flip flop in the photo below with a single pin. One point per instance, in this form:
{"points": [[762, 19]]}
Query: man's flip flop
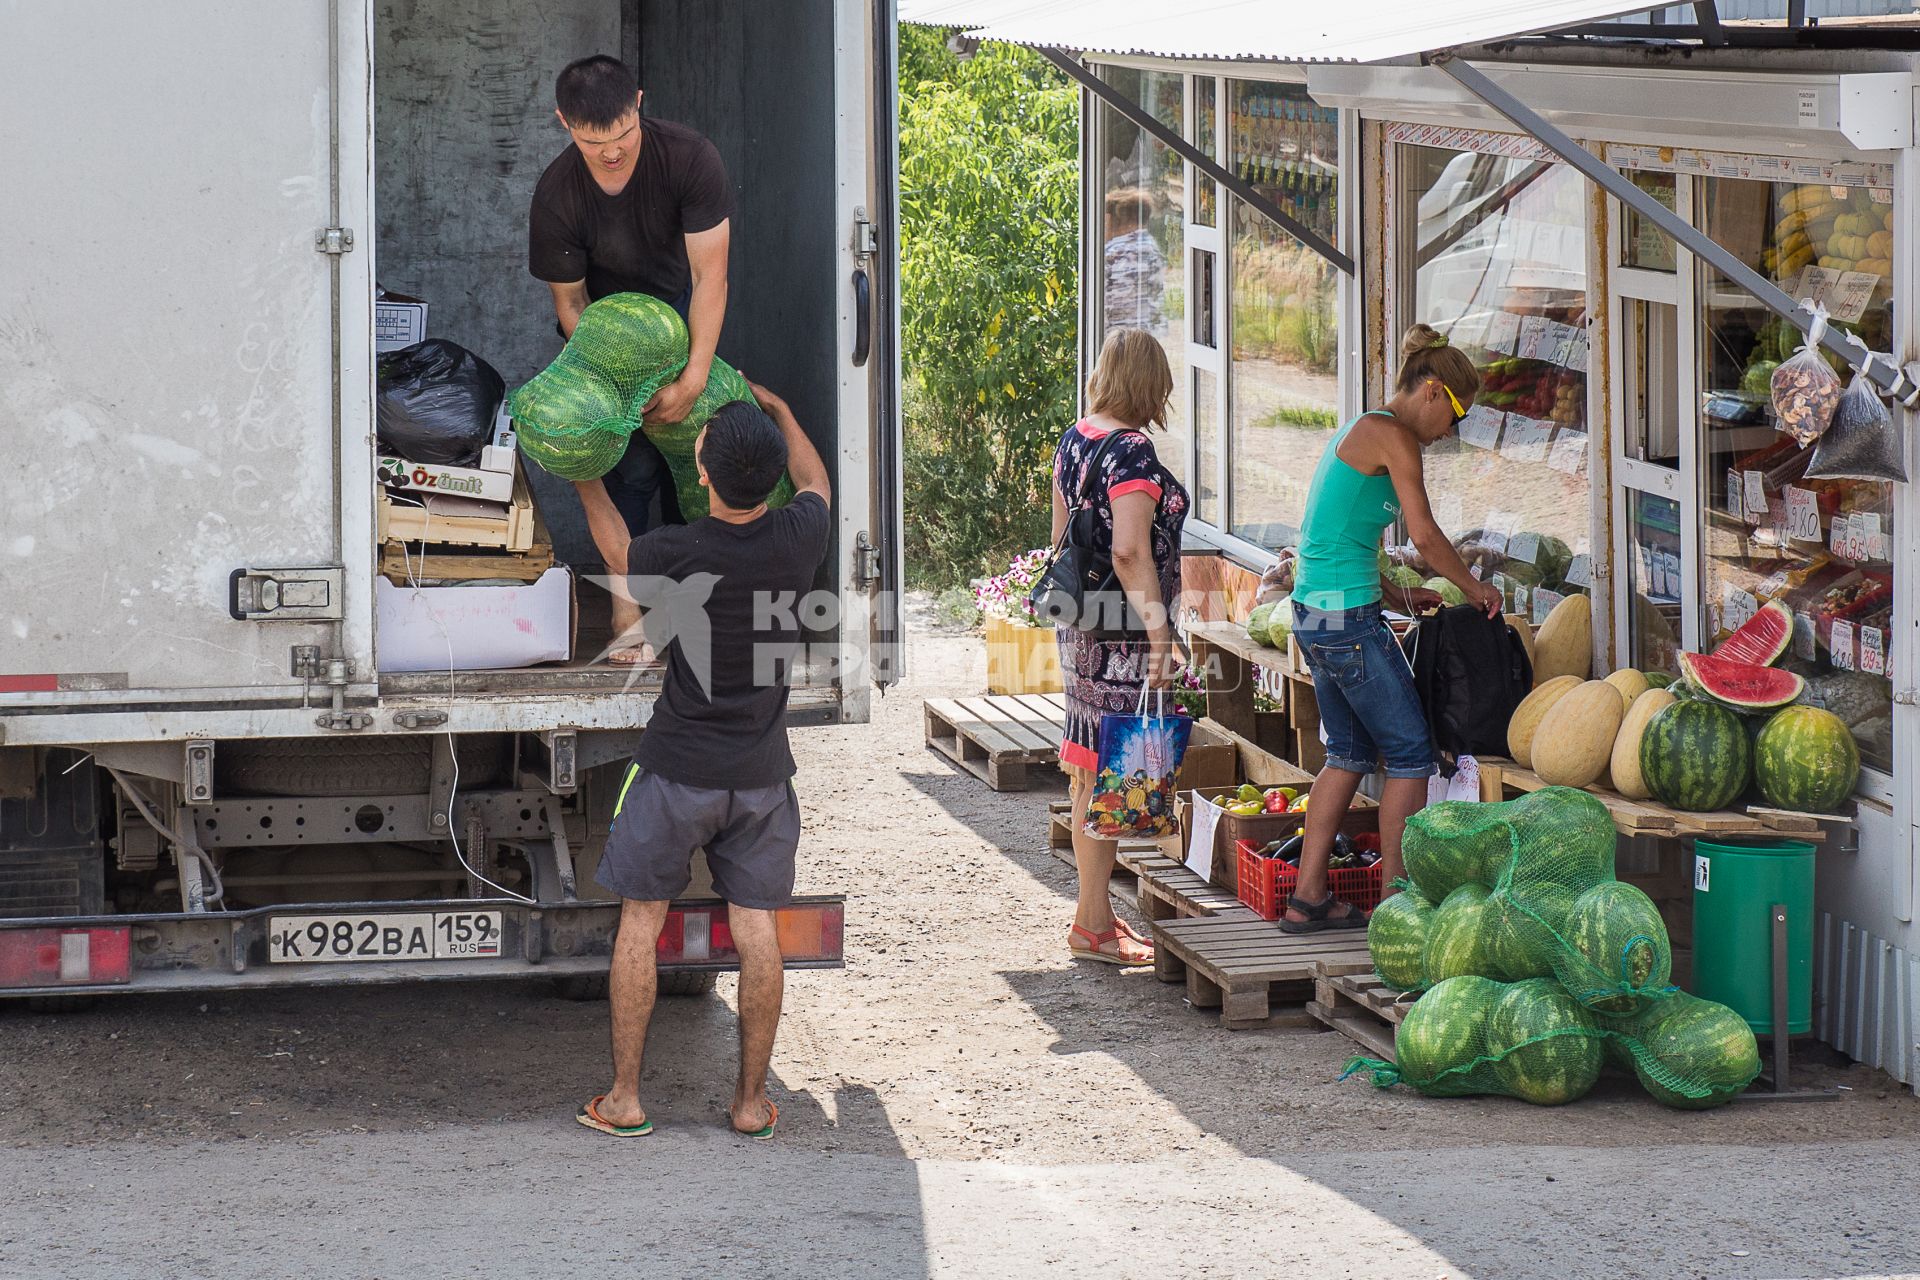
{"points": [[589, 1116], [761, 1135]]}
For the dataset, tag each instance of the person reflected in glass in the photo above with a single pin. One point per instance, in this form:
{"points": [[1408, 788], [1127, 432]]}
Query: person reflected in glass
{"points": [[1135, 269], [1370, 477]]}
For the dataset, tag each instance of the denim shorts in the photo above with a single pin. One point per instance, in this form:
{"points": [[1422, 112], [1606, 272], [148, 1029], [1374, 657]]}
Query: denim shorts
{"points": [[1368, 708]]}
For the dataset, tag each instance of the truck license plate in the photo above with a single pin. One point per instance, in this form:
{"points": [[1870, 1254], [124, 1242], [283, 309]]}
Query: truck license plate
{"points": [[410, 935]]}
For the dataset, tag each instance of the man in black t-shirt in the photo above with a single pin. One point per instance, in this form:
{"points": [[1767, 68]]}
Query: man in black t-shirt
{"points": [[632, 208], [722, 598]]}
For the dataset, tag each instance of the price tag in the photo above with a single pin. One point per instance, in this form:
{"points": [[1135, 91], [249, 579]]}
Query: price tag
{"points": [[1880, 547], [1869, 522], [1736, 606], [1475, 571], [1534, 337], [1803, 514], [1502, 332], [1524, 547], [1804, 637], [1840, 645], [1580, 571], [1543, 602], [1735, 506], [1873, 653], [1848, 300], [1857, 538], [1481, 427], [1817, 285], [1576, 356], [1569, 453], [1773, 586], [1754, 495], [1525, 439]]}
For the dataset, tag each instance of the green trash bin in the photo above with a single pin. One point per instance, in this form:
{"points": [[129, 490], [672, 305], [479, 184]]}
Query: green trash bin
{"points": [[1734, 889]]}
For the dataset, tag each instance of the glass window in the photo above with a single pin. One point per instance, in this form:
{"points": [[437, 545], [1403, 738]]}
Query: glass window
{"points": [[1206, 418], [1652, 341], [1285, 322], [1144, 280], [1653, 561], [1825, 547], [1641, 243], [1496, 249], [1206, 192]]}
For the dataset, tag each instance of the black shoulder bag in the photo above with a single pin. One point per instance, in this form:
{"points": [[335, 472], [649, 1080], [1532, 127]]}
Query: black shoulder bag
{"points": [[1078, 587]]}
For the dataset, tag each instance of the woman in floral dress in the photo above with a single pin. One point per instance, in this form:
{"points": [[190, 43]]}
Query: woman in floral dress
{"points": [[1140, 508]]}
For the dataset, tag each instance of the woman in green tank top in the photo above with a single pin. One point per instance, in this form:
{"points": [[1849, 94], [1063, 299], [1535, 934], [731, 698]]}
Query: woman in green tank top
{"points": [[1369, 477]]}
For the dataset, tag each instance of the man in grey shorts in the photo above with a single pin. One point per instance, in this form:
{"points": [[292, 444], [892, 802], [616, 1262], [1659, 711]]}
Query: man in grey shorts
{"points": [[714, 770]]}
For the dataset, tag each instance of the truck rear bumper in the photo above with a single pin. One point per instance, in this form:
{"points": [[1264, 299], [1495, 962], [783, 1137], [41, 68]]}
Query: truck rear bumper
{"points": [[224, 950]]}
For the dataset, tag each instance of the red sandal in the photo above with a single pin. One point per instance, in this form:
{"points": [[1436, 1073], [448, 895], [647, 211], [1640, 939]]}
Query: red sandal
{"points": [[1114, 936]]}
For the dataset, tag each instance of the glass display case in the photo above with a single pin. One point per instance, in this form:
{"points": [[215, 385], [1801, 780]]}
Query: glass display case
{"points": [[1284, 324], [1144, 256], [1493, 251], [1824, 547]]}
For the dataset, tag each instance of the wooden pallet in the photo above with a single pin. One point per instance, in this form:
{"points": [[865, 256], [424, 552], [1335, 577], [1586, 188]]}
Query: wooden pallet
{"points": [[461, 522], [430, 562], [1650, 817], [1243, 966], [1357, 1004], [1009, 741]]}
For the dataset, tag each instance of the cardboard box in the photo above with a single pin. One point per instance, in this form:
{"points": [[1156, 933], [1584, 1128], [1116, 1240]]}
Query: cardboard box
{"points": [[1212, 760], [489, 628], [432, 477], [398, 321]]}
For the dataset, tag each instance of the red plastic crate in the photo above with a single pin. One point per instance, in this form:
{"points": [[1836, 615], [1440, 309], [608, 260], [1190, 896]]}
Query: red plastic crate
{"points": [[1266, 883]]}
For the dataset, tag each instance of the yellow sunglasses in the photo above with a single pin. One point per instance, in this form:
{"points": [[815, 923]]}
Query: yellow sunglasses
{"points": [[1459, 414]]}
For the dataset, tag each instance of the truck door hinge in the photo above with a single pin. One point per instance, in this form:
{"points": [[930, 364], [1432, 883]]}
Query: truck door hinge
{"points": [[333, 240], [866, 562], [285, 595], [866, 240]]}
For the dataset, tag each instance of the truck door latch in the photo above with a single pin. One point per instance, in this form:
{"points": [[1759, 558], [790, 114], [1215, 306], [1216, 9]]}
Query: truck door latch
{"points": [[285, 595]]}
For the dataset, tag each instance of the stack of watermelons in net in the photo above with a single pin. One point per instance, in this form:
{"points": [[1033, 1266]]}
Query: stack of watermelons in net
{"points": [[1537, 967], [575, 416]]}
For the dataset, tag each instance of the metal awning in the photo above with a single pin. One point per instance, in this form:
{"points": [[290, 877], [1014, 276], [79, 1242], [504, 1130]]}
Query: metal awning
{"points": [[1349, 31]]}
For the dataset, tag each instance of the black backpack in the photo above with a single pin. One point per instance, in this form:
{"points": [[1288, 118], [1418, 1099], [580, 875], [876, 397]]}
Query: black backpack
{"points": [[1469, 672]]}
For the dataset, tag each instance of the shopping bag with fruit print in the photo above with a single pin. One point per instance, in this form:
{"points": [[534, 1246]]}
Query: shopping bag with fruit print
{"points": [[1139, 760]]}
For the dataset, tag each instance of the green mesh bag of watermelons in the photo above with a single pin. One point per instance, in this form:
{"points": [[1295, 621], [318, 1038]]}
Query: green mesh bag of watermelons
{"points": [[575, 417], [1685, 1051]]}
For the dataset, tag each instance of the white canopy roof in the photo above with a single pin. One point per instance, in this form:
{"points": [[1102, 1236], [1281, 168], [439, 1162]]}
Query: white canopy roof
{"points": [[1278, 30]]}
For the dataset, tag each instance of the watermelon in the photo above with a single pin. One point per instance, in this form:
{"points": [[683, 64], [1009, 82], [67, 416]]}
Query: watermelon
{"points": [[1460, 940], [1618, 944], [1658, 679], [1257, 623], [1806, 759], [1692, 1053], [1449, 594], [1694, 755], [1445, 1029], [1525, 922], [1762, 638], [1545, 1045], [1555, 557], [1562, 836], [1401, 575], [1745, 685], [1397, 939], [1453, 843]]}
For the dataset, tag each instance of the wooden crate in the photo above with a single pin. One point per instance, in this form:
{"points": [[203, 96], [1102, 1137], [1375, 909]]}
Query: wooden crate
{"points": [[1010, 742], [461, 522], [432, 562], [1243, 967], [1352, 1000]]}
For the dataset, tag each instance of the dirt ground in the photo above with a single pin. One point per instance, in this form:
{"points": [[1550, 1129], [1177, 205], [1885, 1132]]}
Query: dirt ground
{"points": [[961, 1100]]}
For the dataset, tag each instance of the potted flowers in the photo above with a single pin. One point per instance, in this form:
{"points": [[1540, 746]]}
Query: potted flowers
{"points": [[1022, 654]]}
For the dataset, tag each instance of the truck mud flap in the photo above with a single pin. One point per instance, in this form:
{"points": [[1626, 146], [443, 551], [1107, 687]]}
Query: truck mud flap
{"points": [[361, 943]]}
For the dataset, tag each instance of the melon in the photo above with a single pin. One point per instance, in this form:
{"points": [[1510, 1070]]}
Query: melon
{"points": [[1564, 644], [1460, 941], [1694, 755], [1762, 638], [1748, 686], [1575, 738], [1532, 709], [1524, 629], [1630, 683], [1448, 593], [1691, 1053], [1545, 1046], [1397, 939], [1806, 759], [1618, 951], [1625, 762], [1444, 1031]]}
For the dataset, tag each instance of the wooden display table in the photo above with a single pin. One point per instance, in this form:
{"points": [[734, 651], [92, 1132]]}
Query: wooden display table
{"points": [[1498, 777]]}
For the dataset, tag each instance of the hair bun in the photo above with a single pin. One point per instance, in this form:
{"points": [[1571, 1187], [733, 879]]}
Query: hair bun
{"points": [[1421, 337]]}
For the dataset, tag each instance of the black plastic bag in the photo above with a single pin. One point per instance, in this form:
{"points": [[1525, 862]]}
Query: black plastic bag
{"points": [[1861, 443], [437, 403]]}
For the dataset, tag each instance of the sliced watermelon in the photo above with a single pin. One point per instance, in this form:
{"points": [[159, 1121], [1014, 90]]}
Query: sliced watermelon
{"points": [[1762, 638], [1748, 685]]}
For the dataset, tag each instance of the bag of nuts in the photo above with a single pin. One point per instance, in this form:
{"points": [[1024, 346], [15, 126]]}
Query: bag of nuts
{"points": [[1805, 388]]}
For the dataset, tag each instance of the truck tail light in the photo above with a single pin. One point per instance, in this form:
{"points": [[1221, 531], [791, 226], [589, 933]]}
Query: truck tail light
{"points": [[811, 931], [65, 957]]}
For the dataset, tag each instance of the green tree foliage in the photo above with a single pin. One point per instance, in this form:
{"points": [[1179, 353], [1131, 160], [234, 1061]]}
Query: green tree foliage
{"points": [[989, 201]]}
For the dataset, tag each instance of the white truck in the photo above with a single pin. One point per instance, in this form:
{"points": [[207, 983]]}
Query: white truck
{"points": [[207, 777]]}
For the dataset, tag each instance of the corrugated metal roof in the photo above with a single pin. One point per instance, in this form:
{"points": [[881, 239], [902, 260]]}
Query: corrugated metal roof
{"points": [[1281, 30]]}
